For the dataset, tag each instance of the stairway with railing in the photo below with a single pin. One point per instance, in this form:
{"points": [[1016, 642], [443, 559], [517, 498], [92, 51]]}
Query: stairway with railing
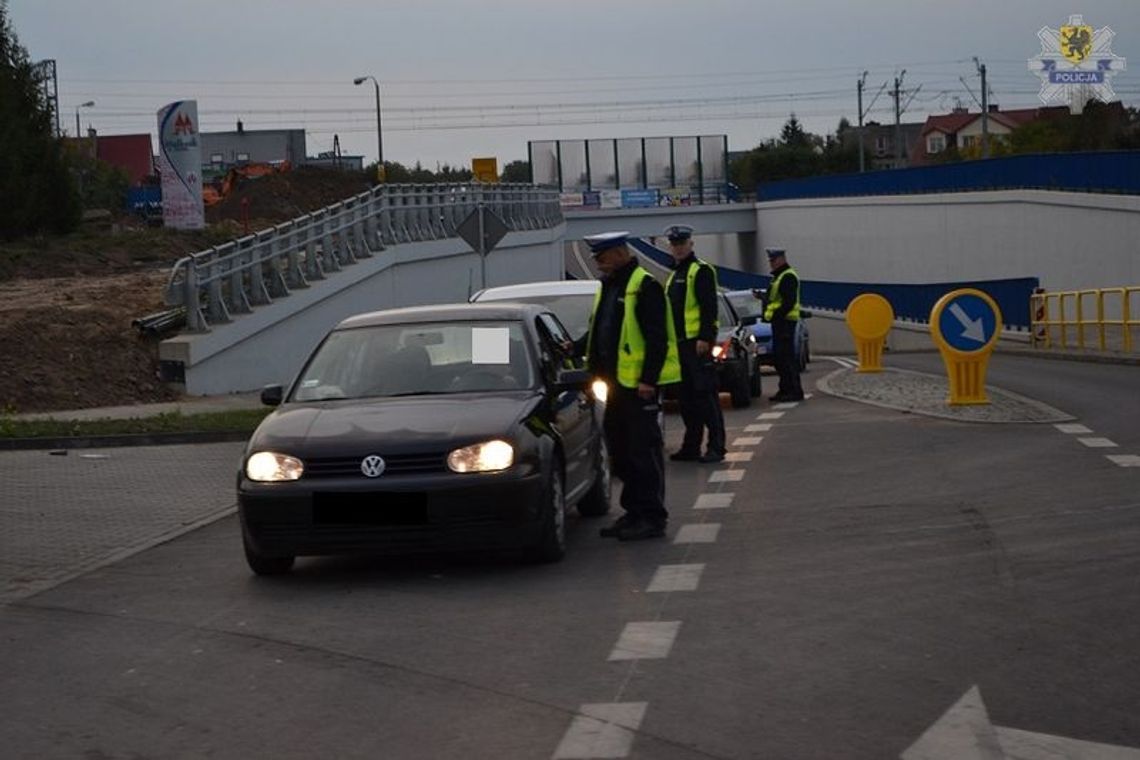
{"points": [[219, 284]]}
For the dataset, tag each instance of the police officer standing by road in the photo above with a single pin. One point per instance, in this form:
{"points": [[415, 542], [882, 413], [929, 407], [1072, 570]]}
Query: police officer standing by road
{"points": [[691, 291], [783, 312], [631, 345]]}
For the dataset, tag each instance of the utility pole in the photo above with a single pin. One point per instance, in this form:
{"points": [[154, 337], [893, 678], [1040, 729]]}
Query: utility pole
{"points": [[898, 118], [859, 89], [985, 109]]}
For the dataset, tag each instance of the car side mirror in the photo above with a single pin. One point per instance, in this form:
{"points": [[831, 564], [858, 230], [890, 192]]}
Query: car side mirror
{"points": [[573, 380], [749, 321], [272, 395]]}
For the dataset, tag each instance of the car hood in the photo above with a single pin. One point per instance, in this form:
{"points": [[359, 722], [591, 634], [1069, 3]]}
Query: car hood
{"points": [[392, 425], [762, 330]]}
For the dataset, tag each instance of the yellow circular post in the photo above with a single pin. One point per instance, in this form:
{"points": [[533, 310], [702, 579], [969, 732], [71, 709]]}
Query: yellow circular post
{"points": [[965, 325], [869, 318]]}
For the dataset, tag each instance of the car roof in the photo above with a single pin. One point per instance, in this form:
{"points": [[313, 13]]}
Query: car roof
{"points": [[455, 312], [545, 288]]}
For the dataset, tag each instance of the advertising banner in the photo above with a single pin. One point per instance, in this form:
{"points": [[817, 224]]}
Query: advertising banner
{"points": [[570, 200], [180, 166], [639, 198], [610, 198]]}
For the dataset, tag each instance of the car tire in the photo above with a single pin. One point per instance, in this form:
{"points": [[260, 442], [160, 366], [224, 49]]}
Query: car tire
{"points": [[551, 546], [804, 357], [596, 502], [262, 564], [740, 386]]}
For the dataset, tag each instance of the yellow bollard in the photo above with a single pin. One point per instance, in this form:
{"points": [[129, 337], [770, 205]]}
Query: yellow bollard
{"points": [[965, 325], [869, 318]]}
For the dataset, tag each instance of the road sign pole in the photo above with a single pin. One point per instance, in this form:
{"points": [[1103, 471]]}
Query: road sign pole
{"points": [[869, 318], [965, 325], [482, 246]]}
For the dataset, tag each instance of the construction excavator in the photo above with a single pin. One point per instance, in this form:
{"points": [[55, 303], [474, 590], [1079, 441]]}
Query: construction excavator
{"points": [[216, 191]]}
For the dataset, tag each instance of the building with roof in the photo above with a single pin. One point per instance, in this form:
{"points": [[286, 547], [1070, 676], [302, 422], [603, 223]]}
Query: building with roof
{"points": [[879, 149], [961, 129], [222, 150]]}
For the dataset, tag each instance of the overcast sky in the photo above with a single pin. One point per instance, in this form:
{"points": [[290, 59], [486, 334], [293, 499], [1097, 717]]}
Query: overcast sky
{"points": [[461, 79]]}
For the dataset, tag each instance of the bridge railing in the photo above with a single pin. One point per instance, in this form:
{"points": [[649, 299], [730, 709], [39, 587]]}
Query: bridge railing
{"points": [[230, 279], [1066, 318]]}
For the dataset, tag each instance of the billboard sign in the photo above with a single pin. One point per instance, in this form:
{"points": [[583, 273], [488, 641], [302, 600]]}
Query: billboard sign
{"points": [[639, 198], [180, 165]]}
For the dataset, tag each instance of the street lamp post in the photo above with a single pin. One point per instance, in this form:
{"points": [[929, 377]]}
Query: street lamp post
{"points": [[88, 104], [379, 131]]}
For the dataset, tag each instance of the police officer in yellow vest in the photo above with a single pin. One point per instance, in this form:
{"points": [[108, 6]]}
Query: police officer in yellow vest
{"points": [[691, 291], [631, 345], [783, 312]]}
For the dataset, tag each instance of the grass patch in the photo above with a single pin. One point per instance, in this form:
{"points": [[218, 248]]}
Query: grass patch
{"points": [[238, 421]]}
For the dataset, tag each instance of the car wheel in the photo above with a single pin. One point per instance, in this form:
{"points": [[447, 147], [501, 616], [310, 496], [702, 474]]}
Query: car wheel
{"points": [[755, 387], [804, 357], [740, 388], [596, 502], [551, 546], [263, 564]]}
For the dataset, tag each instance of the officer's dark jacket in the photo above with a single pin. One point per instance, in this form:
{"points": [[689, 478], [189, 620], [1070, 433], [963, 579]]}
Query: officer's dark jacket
{"points": [[788, 288], [608, 319], [705, 286]]}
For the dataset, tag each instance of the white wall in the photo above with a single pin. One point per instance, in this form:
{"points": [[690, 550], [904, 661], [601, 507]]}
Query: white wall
{"points": [[270, 344], [1068, 240]]}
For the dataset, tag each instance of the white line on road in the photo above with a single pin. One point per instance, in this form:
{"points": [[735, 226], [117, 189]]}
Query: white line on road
{"points": [[1124, 460], [645, 641], [1073, 428], [702, 533], [763, 427], [1097, 443], [786, 405], [770, 416], [713, 501], [747, 441], [676, 578], [738, 456], [726, 476], [601, 730]]}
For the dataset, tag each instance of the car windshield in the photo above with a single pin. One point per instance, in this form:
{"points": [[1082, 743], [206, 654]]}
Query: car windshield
{"points": [[417, 359], [746, 304], [573, 310]]}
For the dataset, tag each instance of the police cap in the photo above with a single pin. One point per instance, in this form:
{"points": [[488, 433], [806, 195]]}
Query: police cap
{"points": [[678, 232], [604, 241]]}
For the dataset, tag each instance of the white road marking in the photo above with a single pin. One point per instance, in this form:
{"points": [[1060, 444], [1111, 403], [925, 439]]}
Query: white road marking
{"points": [[713, 501], [1097, 443], [738, 456], [787, 405], [762, 427], [699, 533], [770, 416], [726, 476], [676, 578], [808, 395], [601, 730], [1124, 460], [646, 641], [1073, 428], [747, 441]]}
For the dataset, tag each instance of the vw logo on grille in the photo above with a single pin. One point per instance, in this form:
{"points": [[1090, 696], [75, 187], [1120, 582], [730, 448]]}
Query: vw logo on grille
{"points": [[372, 466]]}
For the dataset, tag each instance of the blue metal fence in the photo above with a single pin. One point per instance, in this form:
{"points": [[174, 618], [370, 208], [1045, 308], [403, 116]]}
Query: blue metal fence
{"points": [[1098, 172], [913, 302]]}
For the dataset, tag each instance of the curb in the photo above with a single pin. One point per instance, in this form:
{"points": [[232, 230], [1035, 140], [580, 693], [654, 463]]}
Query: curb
{"points": [[116, 441]]}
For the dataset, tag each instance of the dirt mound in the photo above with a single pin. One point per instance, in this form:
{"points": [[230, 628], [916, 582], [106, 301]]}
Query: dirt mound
{"points": [[66, 303]]}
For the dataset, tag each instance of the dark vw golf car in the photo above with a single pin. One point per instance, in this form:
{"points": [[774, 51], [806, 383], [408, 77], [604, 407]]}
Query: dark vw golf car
{"points": [[425, 429]]}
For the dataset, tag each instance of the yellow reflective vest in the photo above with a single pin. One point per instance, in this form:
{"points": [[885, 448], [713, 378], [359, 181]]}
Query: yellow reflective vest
{"points": [[775, 300], [631, 342], [692, 308]]}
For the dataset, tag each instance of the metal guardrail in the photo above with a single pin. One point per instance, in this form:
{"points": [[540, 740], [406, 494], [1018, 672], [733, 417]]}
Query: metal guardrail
{"points": [[220, 282], [1054, 316]]}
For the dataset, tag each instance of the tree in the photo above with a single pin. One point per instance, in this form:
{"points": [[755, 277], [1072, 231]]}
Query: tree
{"points": [[793, 134], [516, 171], [37, 191]]}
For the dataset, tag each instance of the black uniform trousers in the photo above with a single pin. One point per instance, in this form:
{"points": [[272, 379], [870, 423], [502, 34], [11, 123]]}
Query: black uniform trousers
{"points": [[700, 400], [785, 359], [633, 433]]}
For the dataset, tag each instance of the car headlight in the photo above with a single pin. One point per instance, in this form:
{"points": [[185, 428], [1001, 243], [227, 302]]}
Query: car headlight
{"points": [[491, 456], [271, 467], [600, 390]]}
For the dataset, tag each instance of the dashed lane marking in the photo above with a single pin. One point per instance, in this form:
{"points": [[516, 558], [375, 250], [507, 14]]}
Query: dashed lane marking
{"points": [[1073, 428], [787, 405], [726, 476], [763, 427], [738, 456], [1124, 460], [676, 578], [770, 416], [603, 729], [646, 640], [701, 533], [713, 501], [747, 441], [1097, 443]]}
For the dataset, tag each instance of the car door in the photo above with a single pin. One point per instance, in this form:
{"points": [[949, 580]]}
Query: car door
{"points": [[572, 410]]}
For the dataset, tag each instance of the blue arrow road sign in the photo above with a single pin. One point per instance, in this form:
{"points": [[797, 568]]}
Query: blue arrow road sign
{"points": [[967, 323]]}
